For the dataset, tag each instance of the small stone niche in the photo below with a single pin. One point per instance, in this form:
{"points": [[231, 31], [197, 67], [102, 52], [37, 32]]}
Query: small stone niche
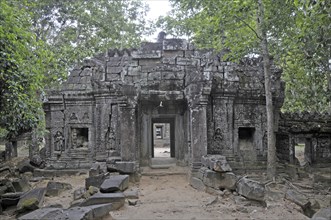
{"points": [[79, 137]]}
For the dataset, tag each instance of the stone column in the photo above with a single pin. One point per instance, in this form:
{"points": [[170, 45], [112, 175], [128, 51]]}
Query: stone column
{"points": [[128, 140], [198, 134]]}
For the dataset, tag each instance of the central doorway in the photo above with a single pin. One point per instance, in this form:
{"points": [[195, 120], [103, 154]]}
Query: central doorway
{"points": [[163, 136]]}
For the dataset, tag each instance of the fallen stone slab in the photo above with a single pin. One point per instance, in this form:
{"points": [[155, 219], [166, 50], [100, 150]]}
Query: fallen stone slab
{"points": [[31, 200], [125, 167], [301, 200], [95, 170], [116, 199], [322, 214], [197, 184], [25, 166], [55, 188], [21, 185], [79, 193], [75, 213], [6, 186], [42, 213], [95, 181], [115, 183], [217, 163], [10, 199], [219, 180], [251, 189]]}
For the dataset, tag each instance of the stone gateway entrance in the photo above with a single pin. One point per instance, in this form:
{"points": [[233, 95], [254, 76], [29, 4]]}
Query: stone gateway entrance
{"points": [[109, 109]]}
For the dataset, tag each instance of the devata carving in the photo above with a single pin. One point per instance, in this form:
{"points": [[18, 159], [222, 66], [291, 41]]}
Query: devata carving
{"points": [[110, 139], [58, 141], [218, 141]]}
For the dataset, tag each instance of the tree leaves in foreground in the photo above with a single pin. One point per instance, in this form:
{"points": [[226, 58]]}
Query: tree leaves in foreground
{"points": [[41, 40], [75, 30], [299, 37], [23, 61]]}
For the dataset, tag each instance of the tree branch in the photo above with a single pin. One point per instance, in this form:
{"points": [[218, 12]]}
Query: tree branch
{"points": [[252, 29]]}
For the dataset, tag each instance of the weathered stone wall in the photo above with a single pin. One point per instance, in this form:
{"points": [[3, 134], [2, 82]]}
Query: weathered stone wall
{"points": [[312, 128], [107, 106]]}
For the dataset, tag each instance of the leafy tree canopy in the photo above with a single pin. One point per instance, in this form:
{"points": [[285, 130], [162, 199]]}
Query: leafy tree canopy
{"points": [[23, 61], [78, 29], [298, 33], [41, 40]]}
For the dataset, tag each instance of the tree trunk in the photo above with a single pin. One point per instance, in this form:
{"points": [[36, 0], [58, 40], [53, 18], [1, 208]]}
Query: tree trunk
{"points": [[271, 167]]}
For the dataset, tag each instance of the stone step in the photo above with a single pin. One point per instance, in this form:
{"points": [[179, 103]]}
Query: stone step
{"points": [[173, 170]]}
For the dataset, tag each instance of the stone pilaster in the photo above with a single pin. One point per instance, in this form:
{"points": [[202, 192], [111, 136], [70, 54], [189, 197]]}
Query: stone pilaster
{"points": [[127, 113], [198, 133]]}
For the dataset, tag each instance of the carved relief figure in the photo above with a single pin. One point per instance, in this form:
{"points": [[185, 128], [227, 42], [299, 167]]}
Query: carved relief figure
{"points": [[58, 141], [85, 116], [73, 116], [217, 141], [110, 139]]}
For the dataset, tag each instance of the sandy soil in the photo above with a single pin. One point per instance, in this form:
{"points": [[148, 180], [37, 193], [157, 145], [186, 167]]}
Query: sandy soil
{"points": [[171, 197]]}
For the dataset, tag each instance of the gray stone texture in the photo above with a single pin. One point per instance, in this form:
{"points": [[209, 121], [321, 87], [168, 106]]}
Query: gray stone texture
{"points": [[218, 180], [55, 188], [107, 107], [216, 163], [251, 189], [96, 181], [75, 213], [115, 183], [116, 199], [31, 200]]}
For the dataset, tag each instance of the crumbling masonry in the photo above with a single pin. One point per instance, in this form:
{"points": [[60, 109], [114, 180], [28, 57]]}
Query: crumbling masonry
{"points": [[107, 108]]}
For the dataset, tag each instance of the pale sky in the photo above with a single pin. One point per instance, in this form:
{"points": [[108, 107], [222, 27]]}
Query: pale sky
{"points": [[157, 8]]}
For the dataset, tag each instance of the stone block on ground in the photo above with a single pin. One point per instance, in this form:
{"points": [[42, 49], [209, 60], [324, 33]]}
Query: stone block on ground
{"points": [[197, 184], [301, 200], [79, 193], [42, 213], [115, 183], [125, 167], [37, 161], [21, 185], [6, 186], [95, 181], [95, 169], [217, 163], [116, 199], [219, 180], [322, 214], [25, 166], [251, 189], [31, 200], [74, 213], [55, 188], [10, 199]]}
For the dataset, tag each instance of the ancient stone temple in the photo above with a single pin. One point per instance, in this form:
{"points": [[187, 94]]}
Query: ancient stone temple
{"points": [[109, 106]]}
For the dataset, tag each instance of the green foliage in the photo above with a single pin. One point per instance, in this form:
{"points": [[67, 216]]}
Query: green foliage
{"points": [[75, 30], [298, 33], [40, 41], [23, 60]]}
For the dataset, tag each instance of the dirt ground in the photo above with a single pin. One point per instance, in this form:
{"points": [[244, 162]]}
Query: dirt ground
{"points": [[171, 197]]}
